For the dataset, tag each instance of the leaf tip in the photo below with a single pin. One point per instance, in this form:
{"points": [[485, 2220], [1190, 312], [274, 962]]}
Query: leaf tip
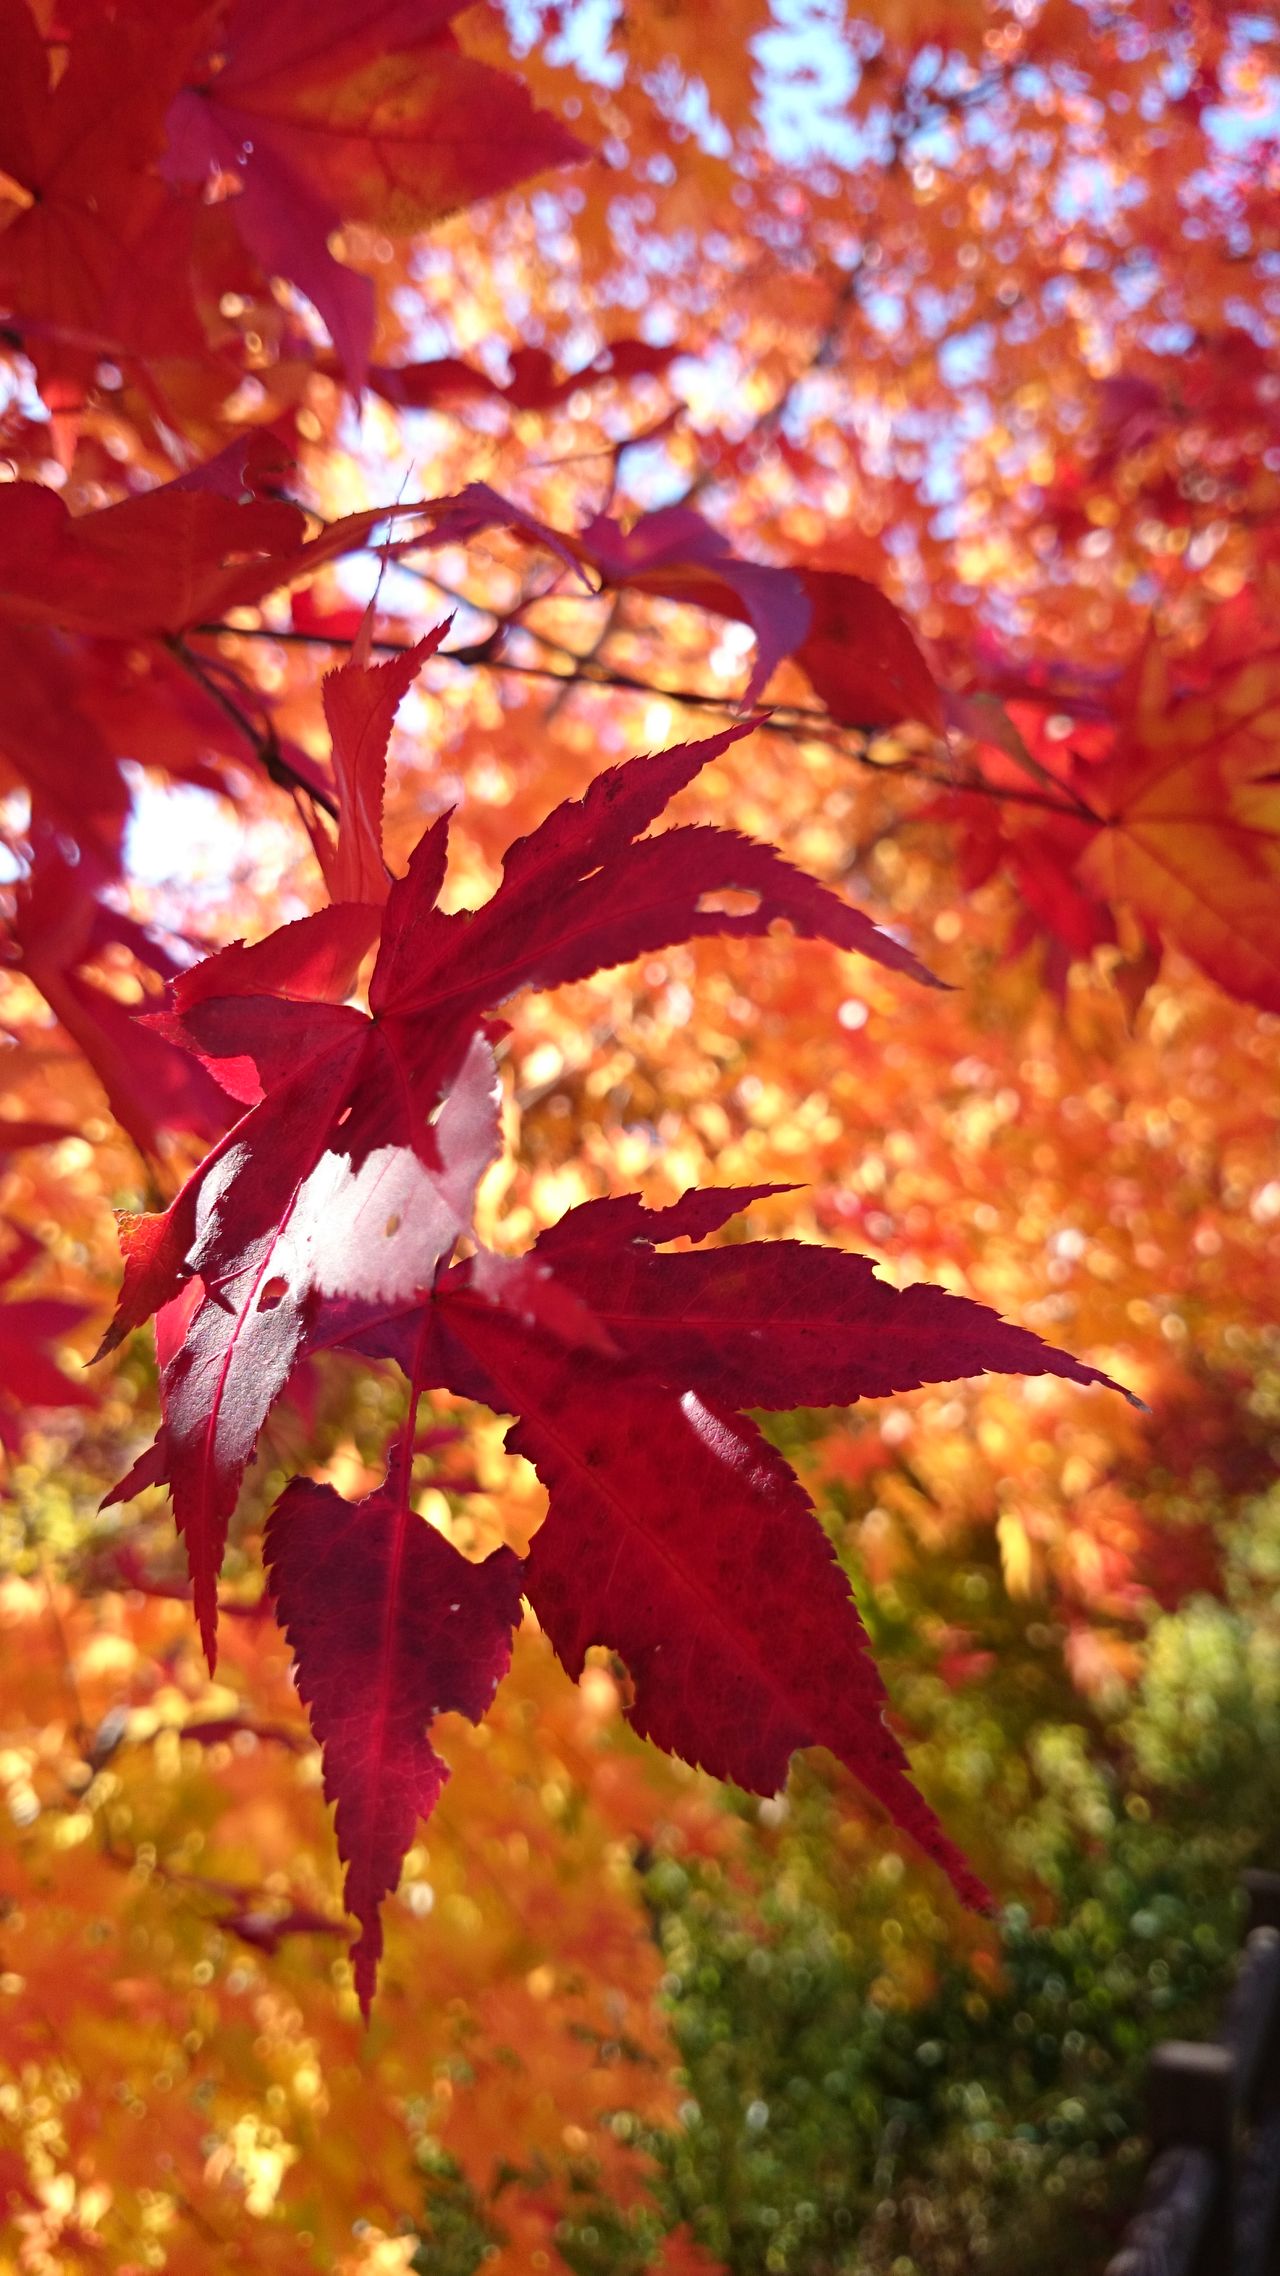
{"points": [[206, 1609], [365, 1954]]}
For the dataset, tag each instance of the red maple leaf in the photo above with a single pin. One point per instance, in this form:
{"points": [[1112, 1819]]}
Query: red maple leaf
{"points": [[360, 704], [158, 564], [299, 118], [675, 1533], [327, 1216], [390, 1626], [77, 145], [342, 1178], [322, 113]]}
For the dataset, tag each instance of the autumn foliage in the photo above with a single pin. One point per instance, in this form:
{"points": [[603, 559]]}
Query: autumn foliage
{"points": [[639, 728]]}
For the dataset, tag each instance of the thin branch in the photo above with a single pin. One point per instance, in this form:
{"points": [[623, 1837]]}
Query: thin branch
{"points": [[586, 673], [263, 741], [798, 721], [907, 123], [589, 662]]}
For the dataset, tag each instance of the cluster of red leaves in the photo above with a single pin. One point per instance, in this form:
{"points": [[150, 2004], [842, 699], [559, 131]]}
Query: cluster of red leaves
{"points": [[1159, 792], [165, 156], [92, 613], [855, 648], [1218, 399], [328, 1218], [98, 613], [217, 153], [327, 1215]]}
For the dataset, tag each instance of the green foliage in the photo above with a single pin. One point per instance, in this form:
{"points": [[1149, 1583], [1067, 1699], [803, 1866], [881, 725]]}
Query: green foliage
{"points": [[459, 2239], [864, 2095]]}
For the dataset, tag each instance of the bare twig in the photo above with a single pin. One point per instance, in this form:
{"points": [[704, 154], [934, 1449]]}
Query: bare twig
{"points": [[801, 722], [262, 740]]}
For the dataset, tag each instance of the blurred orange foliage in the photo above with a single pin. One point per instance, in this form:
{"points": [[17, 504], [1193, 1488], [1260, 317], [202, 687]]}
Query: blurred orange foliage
{"points": [[972, 304]]}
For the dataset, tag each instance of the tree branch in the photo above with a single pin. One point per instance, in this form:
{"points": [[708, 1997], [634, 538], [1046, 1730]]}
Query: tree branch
{"points": [[801, 722], [263, 741]]}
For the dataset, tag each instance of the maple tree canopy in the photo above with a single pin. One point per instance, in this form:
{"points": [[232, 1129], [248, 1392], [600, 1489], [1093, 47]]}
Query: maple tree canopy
{"points": [[400, 336]]}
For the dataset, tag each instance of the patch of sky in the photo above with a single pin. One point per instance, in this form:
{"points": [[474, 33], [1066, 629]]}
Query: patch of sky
{"points": [[652, 480], [936, 143], [15, 822], [687, 102], [181, 838], [1235, 126], [19, 390], [809, 74], [548, 212], [965, 359], [886, 311], [584, 40], [934, 308], [984, 128], [1246, 318], [431, 338], [1084, 192]]}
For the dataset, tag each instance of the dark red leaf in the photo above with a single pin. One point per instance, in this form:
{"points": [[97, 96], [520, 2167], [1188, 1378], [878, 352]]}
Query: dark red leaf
{"points": [[861, 655], [854, 645], [577, 895], [777, 1323], [325, 114], [286, 1221], [338, 1190], [390, 1626], [679, 1538]]}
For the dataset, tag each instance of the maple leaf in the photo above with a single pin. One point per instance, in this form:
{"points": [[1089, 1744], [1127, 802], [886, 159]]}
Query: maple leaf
{"points": [[74, 701], [342, 1181], [584, 891], [324, 114], [861, 655], [360, 704], [297, 1207], [390, 1625], [316, 115], [1189, 811], [775, 1324], [846, 635], [696, 1334], [161, 563], [676, 554], [675, 1534], [326, 1218], [1167, 797], [77, 145]]}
